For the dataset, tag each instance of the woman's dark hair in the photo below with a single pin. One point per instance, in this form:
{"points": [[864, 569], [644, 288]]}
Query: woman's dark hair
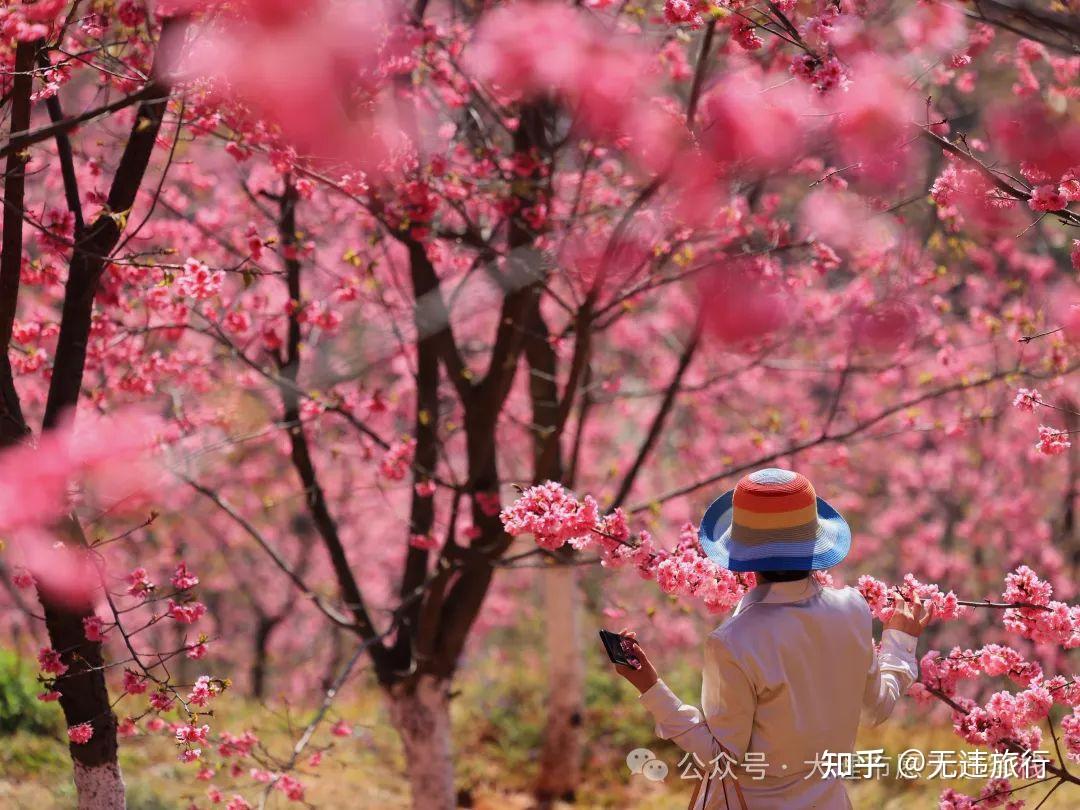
{"points": [[781, 576]]}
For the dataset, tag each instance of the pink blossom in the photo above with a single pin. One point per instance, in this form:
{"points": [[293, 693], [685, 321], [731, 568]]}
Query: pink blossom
{"points": [[193, 734], [237, 746], [94, 628], [744, 33], [755, 119], [202, 691], [80, 734], [427, 542], [49, 696], [682, 11], [341, 729], [395, 464], [425, 488], [330, 46], [1052, 442], [291, 787], [1047, 198], [198, 281], [1070, 730], [187, 613], [162, 701], [188, 755], [197, 650], [489, 502], [139, 583], [237, 803], [876, 594], [1027, 399], [50, 663], [551, 514], [1023, 585], [183, 579], [1029, 131]]}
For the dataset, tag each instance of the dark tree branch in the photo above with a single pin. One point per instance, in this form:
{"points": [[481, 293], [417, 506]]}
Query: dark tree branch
{"points": [[13, 426], [699, 75], [23, 138], [426, 456], [662, 412], [67, 157], [300, 453], [101, 236]]}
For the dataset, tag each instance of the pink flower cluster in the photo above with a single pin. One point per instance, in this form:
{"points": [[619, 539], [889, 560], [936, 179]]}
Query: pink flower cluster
{"points": [[552, 515], [684, 11], [50, 663], [1052, 442], [1027, 399], [94, 628], [881, 597], [291, 787], [183, 579], [29, 21], [991, 795], [395, 464], [139, 583], [203, 690], [1050, 621], [186, 613], [134, 683], [232, 745], [1070, 730], [555, 517], [1007, 718], [80, 734], [198, 281]]}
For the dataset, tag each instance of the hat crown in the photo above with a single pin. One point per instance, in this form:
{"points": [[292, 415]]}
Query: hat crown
{"points": [[774, 504], [773, 482]]}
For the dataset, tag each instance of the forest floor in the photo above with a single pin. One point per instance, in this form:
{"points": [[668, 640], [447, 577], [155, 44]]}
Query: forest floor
{"points": [[498, 716]]}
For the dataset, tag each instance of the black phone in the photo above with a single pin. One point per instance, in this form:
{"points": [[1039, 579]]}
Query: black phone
{"points": [[613, 643]]}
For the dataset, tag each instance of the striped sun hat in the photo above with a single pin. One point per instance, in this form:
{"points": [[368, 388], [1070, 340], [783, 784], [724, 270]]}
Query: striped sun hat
{"points": [[774, 521]]}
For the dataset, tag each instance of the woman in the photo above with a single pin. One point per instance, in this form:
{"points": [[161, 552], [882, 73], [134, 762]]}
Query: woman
{"points": [[789, 674]]}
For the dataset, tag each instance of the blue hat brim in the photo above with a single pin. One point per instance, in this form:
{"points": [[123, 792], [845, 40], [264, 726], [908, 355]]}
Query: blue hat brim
{"points": [[831, 544]]}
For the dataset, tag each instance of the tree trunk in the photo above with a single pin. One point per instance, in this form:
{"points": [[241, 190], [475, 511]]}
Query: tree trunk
{"points": [[420, 712], [260, 654], [560, 758], [99, 787]]}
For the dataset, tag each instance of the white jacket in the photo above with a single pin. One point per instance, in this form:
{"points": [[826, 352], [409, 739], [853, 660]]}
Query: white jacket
{"points": [[786, 679]]}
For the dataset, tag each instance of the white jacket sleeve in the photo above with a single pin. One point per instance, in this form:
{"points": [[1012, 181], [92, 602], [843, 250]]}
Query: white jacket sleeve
{"points": [[892, 670], [727, 713]]}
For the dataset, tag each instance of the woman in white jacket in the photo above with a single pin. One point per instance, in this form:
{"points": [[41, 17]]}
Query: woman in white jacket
{"points": [[788, 676]]}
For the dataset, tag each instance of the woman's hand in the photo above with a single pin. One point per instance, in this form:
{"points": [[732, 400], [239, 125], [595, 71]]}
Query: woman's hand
{"points": [[910, 617], [642, 674]]}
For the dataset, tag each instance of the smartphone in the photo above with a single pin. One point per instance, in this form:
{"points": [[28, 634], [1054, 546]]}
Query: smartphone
{"points": [[613, 643]]}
